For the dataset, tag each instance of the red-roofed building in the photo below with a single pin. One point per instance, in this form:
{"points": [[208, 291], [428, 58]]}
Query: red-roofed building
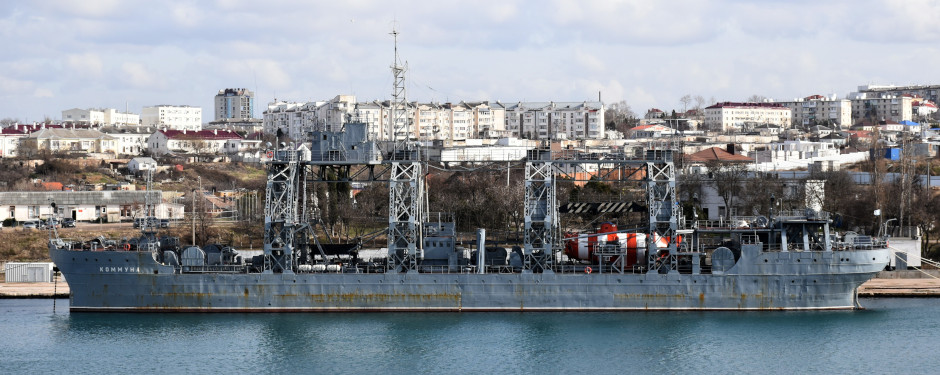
{"points": [[190, 142], [726, 116], [923, 108], [717, 154], [655, 113]]}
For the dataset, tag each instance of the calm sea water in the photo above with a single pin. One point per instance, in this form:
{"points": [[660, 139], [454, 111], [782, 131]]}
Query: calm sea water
{"points": [[892, 336]]}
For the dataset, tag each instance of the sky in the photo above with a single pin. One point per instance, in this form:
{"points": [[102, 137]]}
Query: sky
{"points": [[62, 54]]}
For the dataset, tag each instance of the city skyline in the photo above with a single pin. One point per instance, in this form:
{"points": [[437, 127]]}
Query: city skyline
{"points": [[106, 53]]}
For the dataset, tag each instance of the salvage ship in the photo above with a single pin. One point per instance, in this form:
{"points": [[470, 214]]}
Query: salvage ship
{"points": [[782, 261]]}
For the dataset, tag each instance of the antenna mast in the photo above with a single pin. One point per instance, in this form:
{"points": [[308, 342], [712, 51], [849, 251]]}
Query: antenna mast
{"points": [[400, 125]]}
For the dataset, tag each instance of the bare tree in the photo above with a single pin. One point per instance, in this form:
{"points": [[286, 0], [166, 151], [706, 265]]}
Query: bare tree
{"points": [[756, 98], [728, 179], [7, 121], [619, 116], [699, 102], [685, 100]]}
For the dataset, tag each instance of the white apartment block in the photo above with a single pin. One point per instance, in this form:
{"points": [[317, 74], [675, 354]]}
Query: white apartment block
{"points": [[552, 121], [726, 116], [820, 110], [881, 107], [106, 116], [428, 121], [237, 104], [288, 117], [173, 117]]}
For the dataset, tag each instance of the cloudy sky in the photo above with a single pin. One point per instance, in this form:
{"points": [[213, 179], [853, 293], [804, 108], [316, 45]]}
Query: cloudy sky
{"points": [[61, 54]]}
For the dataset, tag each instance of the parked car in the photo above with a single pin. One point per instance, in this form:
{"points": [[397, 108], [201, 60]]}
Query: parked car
{"points": [[164, 223], [49, 224], [68, 223], [30, 224]]}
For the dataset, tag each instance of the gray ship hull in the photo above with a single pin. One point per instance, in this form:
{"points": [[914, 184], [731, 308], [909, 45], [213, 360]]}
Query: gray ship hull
{"points": [[134, 281]]}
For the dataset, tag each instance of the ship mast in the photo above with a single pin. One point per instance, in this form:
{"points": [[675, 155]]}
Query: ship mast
{"points": [[407, 210]]}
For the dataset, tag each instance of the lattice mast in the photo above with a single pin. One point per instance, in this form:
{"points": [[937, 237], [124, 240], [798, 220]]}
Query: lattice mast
{"points": [[399, 129], [406, 196], [282, 218]]}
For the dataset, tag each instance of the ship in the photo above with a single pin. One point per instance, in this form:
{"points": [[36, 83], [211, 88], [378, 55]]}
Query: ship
{"points": [[786, 260]]}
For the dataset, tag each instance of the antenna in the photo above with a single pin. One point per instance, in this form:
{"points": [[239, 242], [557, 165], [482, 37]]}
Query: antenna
{"points": [[398, 111]]}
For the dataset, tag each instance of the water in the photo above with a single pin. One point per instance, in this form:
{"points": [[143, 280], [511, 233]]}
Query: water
{"points": [[893, 335]]}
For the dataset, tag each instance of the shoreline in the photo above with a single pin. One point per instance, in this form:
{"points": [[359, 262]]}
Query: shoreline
{"points": [[902, 284]]}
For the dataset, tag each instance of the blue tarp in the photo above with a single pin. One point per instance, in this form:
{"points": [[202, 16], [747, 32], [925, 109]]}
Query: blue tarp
{"points": [[908, 123]]}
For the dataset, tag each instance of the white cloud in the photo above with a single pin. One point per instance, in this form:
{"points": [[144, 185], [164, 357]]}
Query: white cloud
{"points": [[138, 76], [88, 65], [650, 53]]}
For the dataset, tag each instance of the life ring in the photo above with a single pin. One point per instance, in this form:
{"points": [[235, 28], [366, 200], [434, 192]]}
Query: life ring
{"points": [[588, 270], [127, 247]]}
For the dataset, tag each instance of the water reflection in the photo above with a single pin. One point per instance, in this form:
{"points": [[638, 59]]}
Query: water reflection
{"points": [[684, 342]]}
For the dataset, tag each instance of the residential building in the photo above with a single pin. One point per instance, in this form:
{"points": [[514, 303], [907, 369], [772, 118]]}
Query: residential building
{"points": [[651, 131], [727, 116], [820, 110], [112, 206], [189, 142], [234, 104], [880, 107], [131, 140], [928, 92], [70, 141], [427, 121], [10, 141], [142, 164], [795, 151], [172, 117], [288, 117], [654, 113], [106, 116], [922, 108], [551, 120]]}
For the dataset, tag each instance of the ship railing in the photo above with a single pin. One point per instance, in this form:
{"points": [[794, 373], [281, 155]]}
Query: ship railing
{"points": [[722, 223]]}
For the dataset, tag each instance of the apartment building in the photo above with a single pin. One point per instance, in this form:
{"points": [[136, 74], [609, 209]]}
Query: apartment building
{"points": [[105, 116], [234, 104], [174, 117], [426, 121], [727, 116], [556, 120], [881, 106], [818, 110], [929, 92]]}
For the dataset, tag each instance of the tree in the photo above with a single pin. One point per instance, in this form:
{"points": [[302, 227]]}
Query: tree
{"points": [[728, 179], [619, 116], [756, 98], [685, 100], [699, 102], [9, 121]]}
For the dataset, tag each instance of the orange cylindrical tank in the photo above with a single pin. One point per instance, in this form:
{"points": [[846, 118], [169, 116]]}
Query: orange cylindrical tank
{"points": [[584, 248]]}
